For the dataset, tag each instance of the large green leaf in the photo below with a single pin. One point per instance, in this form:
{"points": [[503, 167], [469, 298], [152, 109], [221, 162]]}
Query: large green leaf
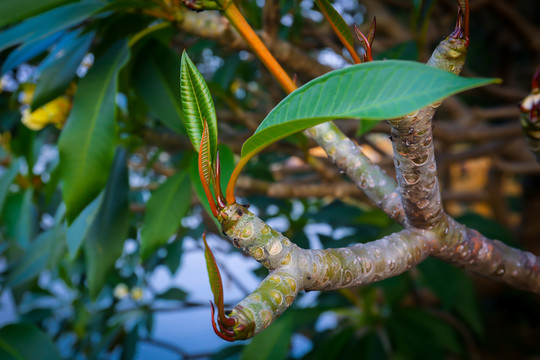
{"points": [[28, 51], [272, 344], [48, 23], [87, 142], [6, 179], [197, 105], [60, 66], [45, 247], [26, 342], [105, 240], [164, 211], [156, 79], [370, 91]]}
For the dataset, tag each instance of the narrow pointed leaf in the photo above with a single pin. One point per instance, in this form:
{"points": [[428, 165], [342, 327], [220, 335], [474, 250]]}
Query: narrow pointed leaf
{"points": [[48, 23], [372, 29], [28, 51], [204, 154], [213, 274], [105, 240], [197, 105], [87, 142], [339, 26], [164, 212], [58, 69], [370, 91]]}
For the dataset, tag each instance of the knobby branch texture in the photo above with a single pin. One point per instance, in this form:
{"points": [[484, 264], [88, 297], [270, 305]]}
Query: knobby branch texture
{"points": [[414, 201]]}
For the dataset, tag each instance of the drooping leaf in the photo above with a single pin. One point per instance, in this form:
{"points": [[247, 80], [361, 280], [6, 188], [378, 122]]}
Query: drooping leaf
{"points": [[340, 27], [58, 69], [48, 23], [105, 240], [77, 231], [28, 51], [6, 179], [38, 256], [87, 142], [369, 91], [272, 344], [197, 105], [156, 80], [26, 342], [164, 212], [213, 274]]}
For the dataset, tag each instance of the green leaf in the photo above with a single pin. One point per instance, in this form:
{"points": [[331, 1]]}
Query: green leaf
{"points": [[59, 68], [164, 212], [105, 240], [370, 91], [45, 247], [87, 142], [173, 294], [197, 105], [272, 343], [6, 179], [48, 23], [13, 11], [456, 292], [26, 342], [338, 24], [216, 285], [28, 51], [77, 231], [156, 79], [20, 217]]}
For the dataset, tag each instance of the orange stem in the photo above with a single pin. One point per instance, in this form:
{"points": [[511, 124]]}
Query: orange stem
{"points": [[237, 20]]}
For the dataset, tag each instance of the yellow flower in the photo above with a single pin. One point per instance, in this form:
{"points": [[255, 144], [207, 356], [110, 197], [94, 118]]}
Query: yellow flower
{"points": [[54, 112]]}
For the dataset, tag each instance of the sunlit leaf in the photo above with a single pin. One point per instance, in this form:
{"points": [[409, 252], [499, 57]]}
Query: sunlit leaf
{"points": [[26, 342], [105, 240], [197, 105], [87, 142], [164, 212], [48, 23], [370, 91], [58, 69]]}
